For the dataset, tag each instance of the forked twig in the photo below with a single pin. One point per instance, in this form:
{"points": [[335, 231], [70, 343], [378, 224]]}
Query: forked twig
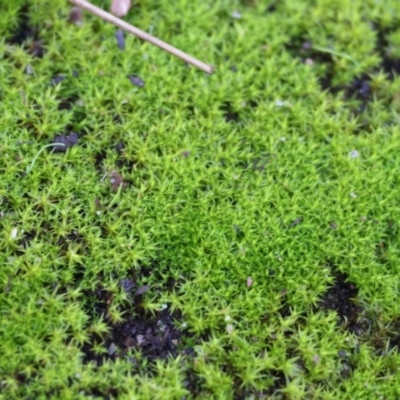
{"points": [[85, 5]]}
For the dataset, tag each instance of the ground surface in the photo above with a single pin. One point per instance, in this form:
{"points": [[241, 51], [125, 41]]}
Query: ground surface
{"points": [[233, 236]]}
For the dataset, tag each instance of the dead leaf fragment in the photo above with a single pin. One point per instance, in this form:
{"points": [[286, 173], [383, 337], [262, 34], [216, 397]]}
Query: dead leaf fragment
{"points": [[142, 290], [8, 286], [127, 285], [76, 16], [29, 69], [249, 282], [297, 221], [112, 349], [120, 7], [116, 181]]}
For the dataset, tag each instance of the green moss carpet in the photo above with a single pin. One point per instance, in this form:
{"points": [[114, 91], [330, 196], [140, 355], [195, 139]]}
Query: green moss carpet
{"points": [[166, 234]]}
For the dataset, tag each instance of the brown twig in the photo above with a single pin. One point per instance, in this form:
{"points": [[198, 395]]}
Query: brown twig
{"points": [[85, 5]]}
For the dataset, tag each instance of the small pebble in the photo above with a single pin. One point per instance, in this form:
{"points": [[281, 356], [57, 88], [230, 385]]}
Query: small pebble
{"points": [[139, 339], [120, 7], [135, 80], [29, 69], [14, 233], [354, 154], [236, 14], [309, 62], [57, 80], [63, 142], [342, 353], [249, 282], [120, 39], [112, 349]]}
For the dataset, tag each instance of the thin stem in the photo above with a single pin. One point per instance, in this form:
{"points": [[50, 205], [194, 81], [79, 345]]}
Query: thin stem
{"points": [[85, 5], [335, 53], [29, 169]]}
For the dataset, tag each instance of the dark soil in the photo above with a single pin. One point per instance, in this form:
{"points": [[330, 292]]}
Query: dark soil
{"points": [[24, 31], [389, 64], [27, 35], [229, 113], [156, 336], [359, 88], [340, 298]]}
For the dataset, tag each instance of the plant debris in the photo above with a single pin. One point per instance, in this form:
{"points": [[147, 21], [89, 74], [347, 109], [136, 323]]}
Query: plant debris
{"points": [[57, 80], [76, 16], [65, 142], [117, 181], [120, 7], [142, 290], [135, 80]]}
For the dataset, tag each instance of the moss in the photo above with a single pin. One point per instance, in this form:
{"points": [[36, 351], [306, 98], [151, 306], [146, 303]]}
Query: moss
{"points": [[249, 207]]}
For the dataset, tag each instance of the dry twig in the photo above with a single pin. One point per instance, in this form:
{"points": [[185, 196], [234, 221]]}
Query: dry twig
{"points": [[85, 5]]}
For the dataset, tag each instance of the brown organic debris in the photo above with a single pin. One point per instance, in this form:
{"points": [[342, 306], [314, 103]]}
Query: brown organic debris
{"points": [[116, 181], [76, 16]]}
